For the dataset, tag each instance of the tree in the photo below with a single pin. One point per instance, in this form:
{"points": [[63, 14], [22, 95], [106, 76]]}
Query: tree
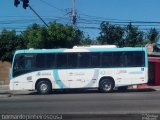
{"points": [[153, 35], [39, 37], [55, 36], [36, 36], [111, 34], [88, 41], [134, 37], [9, 42], [63, 36]]}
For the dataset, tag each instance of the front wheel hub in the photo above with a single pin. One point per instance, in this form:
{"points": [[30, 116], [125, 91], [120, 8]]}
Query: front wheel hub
{"points": [[44, 87]]}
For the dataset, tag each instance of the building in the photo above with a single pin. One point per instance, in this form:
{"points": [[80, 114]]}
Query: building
{"points": [[154, 69]]}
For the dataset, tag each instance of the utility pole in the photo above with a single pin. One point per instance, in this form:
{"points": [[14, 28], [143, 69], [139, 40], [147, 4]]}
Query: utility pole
{"points": [[74, 17]]}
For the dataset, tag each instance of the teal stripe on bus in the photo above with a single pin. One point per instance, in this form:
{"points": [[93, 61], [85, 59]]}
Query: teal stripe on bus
{"points": [[57, 79]]}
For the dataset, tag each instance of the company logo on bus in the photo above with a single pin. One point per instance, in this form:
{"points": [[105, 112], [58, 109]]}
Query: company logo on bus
{"points": [[43, 74]]}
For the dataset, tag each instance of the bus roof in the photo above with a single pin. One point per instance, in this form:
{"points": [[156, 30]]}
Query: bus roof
{"points": [[80, 50], [95, 46]]}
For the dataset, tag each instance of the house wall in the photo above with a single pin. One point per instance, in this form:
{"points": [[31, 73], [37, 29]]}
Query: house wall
{"points": [[151, 73], [157, 73], [154, 70], [4, 72]]}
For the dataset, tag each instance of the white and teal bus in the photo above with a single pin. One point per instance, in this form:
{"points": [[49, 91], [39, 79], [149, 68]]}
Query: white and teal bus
{"points": [[104, 68]]}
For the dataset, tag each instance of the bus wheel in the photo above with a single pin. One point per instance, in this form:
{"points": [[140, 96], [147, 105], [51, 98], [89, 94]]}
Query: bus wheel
{"points": [[106, 85], [44, 87]]}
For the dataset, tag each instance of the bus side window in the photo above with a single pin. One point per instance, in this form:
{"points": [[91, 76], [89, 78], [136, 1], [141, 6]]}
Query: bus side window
{"points": [[128, 59], [23, 64], [107, 60], [118, 59], [139, 58], [61, 60], [40, 61], [84, 60], [72, 60], [50, 60], [29, 61], [28, 64], [95, 60], [19, 62]]}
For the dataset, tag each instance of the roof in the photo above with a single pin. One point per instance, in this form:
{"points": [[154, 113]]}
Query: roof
{"points": [[80, 50]]}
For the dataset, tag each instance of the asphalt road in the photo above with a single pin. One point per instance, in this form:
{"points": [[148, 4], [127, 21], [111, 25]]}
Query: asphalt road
{"points": [[139, 102]]}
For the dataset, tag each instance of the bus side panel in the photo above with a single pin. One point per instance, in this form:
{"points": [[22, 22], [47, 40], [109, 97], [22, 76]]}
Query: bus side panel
{"points": [[77, 78], [23, 82], [106, 72], [130, 76], [139, 76], [122, 77]]}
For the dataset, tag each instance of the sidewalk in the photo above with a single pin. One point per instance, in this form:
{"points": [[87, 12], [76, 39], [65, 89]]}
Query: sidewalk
{"points": [[146, 86], [4, 91]]}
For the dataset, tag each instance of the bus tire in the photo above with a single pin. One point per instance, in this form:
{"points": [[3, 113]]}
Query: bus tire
{"points": [[106, 85], [44, 87]]}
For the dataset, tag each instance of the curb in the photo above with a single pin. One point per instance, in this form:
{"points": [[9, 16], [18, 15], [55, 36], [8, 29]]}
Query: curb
{"points": [[4, 86], [4, 92], [145, 86], [157, 89], [5, 95]]}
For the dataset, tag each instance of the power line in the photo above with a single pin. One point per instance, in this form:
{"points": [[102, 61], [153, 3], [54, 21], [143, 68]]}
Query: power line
{"points": [[38, 15], [85, 21], [100, 18], [61, 10]]}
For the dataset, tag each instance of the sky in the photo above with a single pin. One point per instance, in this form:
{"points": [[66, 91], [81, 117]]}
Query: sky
{"points": [[90, 13]]}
